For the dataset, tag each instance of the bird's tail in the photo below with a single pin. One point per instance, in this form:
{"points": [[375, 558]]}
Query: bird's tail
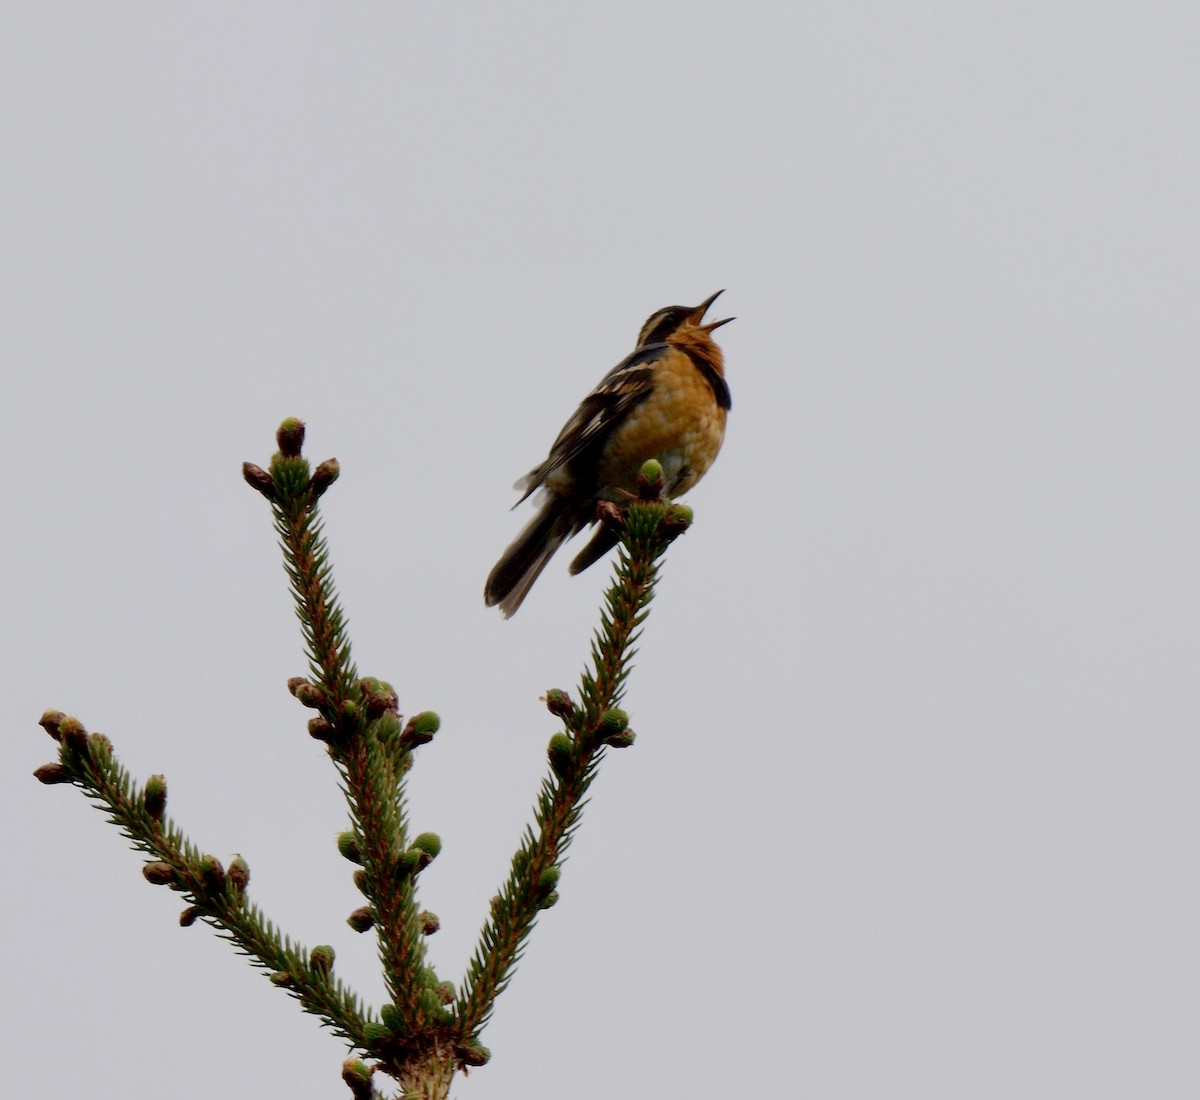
{"points": [[522, 563]]}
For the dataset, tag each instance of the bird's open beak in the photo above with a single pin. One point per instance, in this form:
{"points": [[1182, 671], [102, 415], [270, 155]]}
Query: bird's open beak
{"points": [[697, 314], [717, 324]]}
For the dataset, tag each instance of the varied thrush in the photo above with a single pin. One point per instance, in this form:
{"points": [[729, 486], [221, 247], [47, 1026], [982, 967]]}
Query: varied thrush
{"points": [[667, 400]]}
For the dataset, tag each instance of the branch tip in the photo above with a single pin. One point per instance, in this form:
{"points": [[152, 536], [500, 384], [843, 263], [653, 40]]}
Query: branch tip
{"points": [[290, 437], [50, 774], [50, 722], [357, 1075], [258, 478], [155, 796], [325, 475], [321, 958]]}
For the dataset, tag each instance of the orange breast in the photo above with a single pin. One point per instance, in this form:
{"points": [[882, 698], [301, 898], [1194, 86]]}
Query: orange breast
{"points": [[680, 424]]}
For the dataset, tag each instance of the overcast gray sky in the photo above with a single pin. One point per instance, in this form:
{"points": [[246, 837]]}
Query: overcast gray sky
{"points": [[913, 811]]}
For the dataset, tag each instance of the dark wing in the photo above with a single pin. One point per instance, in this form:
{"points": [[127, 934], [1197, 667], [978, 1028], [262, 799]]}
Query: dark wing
{"points": [[623, 387]]}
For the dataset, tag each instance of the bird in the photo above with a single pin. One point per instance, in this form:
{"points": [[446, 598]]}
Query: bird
{"points": [[667, 400]]}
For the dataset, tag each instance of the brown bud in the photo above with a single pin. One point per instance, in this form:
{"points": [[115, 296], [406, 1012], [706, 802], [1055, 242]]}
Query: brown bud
{"points": [[159, 873], [290, 437], [610, 515], [429, 922], [378, 697], [321, 729], [473, 1054], [258, 478], [308, 694], [362, 920], [71, 733], [155, 796], [238, 875], [321, 958], [325, 475], [188, 917], [50, 722], [559, 703], [213, 874], [52, 773]]}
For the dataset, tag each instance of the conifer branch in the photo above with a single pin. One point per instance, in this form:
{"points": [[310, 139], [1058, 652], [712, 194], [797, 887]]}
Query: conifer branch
{"points": [[214, 894], [428, 1030], [359, 721], [646, 528]]}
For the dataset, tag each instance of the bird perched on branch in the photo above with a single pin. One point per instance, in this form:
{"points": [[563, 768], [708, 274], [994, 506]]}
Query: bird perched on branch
{"points": [[667, 400]]}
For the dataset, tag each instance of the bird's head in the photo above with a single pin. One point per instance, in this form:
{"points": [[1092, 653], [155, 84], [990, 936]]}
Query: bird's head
{"points": [[663, 322]]}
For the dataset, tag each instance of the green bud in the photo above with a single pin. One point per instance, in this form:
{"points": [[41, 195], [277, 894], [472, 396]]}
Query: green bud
{"points": [[420, 729], [393, 1019], [99, 746], [321, 958], [679, 515], [429, 1002], [562, 753], [427, 722], [613, 721], [362, 920], [549, 901], [387, 727], [357, 1075], [430, 843], [282, 979], [676, 519], [347, 844], [621, 740], [650, 480], [409, 862], [446, 992], [548, 880], [50, 722], [376, 1033], [155, 797], [159, 873]]}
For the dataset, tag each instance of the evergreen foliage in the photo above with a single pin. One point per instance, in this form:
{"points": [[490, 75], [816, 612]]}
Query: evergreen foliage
{"points": [[429, 1029]]}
